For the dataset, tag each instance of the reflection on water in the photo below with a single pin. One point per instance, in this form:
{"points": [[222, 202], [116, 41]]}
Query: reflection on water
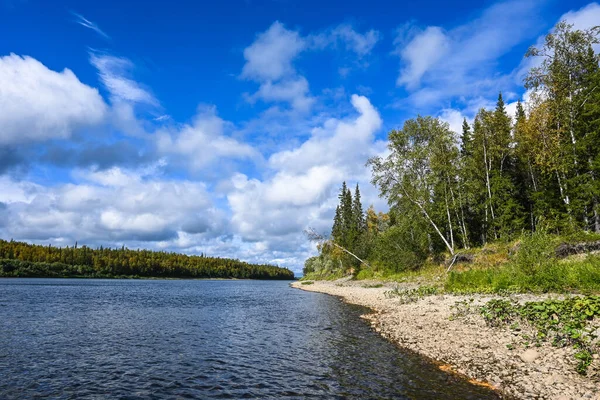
{"points": [[200, 339]]}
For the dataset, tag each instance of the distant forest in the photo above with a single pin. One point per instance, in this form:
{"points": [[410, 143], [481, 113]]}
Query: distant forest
{"points": [[19, 259]]}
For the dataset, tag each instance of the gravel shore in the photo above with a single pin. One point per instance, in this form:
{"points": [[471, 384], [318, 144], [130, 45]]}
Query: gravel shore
{"points": [[466, 345]]}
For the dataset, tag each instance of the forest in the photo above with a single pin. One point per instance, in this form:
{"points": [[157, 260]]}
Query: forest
{"points": [[19, 259], [501, 179]]}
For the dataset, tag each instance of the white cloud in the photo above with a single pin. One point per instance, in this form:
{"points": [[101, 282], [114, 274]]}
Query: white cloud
{"points": [[295, 91], [203, 143], [361, 44], [270, 57], [585, 18], [113, 72], [301, 191], [107, 206], [270, 61], [338, 142], [38, 104], [344, 35], [438, 65], [420, 54], [81, 20], [454, 118]]}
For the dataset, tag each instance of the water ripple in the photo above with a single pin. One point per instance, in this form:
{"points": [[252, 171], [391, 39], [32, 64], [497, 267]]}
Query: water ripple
{"points": [[96, 339]]}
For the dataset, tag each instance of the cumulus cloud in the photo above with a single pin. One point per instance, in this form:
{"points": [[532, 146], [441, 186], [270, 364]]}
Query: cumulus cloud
{"points": [[454, 118], [270, 56], [294, 91], [301, 190], [270, 61], [115, 205], [203, 143], [337, 142], [39, 104]]}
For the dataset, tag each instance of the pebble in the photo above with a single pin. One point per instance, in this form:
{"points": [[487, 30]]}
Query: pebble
{"points": [[468, 345], [529, 355]]}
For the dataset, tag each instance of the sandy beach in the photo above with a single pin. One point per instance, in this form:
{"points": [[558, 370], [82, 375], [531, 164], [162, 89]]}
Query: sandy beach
{"points": [[465, 345]]}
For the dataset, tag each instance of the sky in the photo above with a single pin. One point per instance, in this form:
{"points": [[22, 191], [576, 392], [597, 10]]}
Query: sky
{"points": [[226, 128]]}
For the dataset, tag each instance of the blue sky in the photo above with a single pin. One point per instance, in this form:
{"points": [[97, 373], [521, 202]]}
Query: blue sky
{"points": [[227, 128]]}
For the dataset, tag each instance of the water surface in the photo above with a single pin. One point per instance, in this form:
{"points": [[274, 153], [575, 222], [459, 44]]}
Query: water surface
{"points": [[143, 339]]}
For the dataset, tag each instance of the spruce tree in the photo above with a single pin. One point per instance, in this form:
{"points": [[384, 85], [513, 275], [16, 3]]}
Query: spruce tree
{"points": [[336, 230], [357, 212], [347, 218], [465, 139]]}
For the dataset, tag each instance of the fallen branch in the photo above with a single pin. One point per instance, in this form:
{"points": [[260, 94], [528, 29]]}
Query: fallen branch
{"points": [[313, 236], [461, 256]]}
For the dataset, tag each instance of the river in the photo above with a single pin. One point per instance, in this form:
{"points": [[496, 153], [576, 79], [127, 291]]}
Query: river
{"points": [[146, 339]]}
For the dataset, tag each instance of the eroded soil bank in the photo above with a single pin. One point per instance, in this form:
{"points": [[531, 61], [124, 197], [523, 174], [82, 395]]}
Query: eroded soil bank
{"points": [[466, 345]]}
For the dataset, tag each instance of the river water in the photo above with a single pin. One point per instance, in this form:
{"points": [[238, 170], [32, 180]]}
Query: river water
{"points": [[146, 339]]}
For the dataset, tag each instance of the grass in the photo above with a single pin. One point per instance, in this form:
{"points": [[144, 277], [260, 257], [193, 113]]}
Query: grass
{"points": [[373, 286], [526, 265], [533, 268], [430, 272], [325, 276], [412, 295], [560, 277]]}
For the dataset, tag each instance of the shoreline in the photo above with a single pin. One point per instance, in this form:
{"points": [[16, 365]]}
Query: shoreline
{"points": [[466, 345]]}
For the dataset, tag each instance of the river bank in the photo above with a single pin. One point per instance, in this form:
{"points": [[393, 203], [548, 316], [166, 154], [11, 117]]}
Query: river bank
{"points": [[493, 356]]}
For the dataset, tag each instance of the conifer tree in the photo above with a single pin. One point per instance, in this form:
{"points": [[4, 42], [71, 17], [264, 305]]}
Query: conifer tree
{"points": [[357, 212]]}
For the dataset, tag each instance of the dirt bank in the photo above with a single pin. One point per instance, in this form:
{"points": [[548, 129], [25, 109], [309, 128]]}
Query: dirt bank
{"points": [[466, 344]]}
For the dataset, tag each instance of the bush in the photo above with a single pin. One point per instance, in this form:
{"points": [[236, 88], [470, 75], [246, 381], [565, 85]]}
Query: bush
{"points": [[535, 253], [401, 248]]}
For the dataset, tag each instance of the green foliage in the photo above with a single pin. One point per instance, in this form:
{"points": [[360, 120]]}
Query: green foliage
{"points": [[27, 260], [365, 273], [461, 309], [533, 268], [566, 322], [559, 277], [323, 266], [373, 286], [412, 295], [496, 181], [401, 247], [536, 253]]}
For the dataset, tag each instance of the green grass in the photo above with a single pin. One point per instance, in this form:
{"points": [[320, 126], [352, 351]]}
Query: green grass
{"points": [[525, 265], [560, 277], [429, 273], [411, 295], [325, 276], [373, 286]]}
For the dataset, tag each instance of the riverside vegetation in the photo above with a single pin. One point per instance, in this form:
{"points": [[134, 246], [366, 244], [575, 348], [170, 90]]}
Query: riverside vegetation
{"points": [[508, 205], [18, 259]]}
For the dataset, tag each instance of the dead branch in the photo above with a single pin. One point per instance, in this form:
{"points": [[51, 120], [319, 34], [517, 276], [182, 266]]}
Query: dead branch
{"points": [[314, 236]]}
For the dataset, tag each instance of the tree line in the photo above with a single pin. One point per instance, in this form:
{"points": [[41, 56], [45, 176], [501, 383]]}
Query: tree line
{"points": [[502, 176], [28, 260]]}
